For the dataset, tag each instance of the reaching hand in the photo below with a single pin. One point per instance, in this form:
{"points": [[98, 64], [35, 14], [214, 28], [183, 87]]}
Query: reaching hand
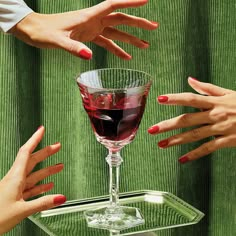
{"points": [[95, 24], [20, 184], [217, 118]]}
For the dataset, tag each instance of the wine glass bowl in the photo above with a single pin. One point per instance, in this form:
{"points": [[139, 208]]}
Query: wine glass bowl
{"points": [[114, 100]]}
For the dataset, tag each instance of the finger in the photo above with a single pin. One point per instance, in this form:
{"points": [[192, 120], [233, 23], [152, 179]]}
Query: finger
{"points": [[119, 18], [20, 164], [75, 48], [114, 34], [183, 121], [37, 190], [207, 88], [44, 203], [41, 155], [106, 7], [112, 47], [39, 175], [191, 136], [207, 148], [187, 99]]}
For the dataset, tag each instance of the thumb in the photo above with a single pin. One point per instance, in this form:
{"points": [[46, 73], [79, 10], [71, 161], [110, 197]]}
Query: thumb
{"points": [[44, 203], [76, 48], [207, 88]]}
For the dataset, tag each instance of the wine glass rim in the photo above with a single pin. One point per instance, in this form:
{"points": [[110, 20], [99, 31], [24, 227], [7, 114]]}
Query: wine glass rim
{"points": [[106, 69]]}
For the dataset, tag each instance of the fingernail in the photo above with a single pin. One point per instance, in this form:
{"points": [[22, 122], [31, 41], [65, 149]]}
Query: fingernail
{"points": [[59, 164], [56, 143], [153, 129], [59, 200], [183, 159], [145, 42], [163, 143], [50, 186], [162, 99], [128, 57], [154, 22], [193, 78], [40, 127], [85, 54]]}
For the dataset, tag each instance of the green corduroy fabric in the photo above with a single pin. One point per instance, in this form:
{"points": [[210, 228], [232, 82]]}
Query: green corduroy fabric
{"points": [[37, 87]]}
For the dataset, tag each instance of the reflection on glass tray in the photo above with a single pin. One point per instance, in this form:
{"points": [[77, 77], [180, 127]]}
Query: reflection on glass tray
{"points": [[161, 210]]}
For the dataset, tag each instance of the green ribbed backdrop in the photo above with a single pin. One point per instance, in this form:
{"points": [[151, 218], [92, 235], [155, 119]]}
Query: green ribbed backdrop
{"points": [[37, 87]]}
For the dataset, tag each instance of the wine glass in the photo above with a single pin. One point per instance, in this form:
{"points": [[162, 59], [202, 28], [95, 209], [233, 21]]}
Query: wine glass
{"points": [[114, 100]]}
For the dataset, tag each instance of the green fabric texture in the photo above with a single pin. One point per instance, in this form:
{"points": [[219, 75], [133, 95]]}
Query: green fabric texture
{"points": [[37, 87]]}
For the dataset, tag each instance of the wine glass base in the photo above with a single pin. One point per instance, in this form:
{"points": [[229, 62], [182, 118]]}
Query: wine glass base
{"points": [[116, 219]]}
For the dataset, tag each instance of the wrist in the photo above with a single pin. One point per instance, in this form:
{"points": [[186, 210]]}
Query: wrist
{"points": [[26, 30]]}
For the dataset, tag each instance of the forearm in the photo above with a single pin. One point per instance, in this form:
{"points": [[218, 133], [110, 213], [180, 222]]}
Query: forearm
{"points": [[12, 12]]}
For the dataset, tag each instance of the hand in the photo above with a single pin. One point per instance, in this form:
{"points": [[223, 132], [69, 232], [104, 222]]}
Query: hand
{"points": [[95, 24], [217, 118], [20, 184]]}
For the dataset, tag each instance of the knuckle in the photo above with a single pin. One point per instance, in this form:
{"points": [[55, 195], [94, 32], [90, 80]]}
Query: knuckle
{"points": [[50, 171], [207, 148], [44, 204], [191, 98], [23, 150], [176, 140], [230, 141], [195, 133], [29, 184], [226, 127], [120, 16], [220, 115], [108, 44], [72, 48], [47, 151], [184, 119], [85, 14]]}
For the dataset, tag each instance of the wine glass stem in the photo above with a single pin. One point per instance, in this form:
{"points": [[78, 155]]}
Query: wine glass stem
{"points": [[114, 160]]}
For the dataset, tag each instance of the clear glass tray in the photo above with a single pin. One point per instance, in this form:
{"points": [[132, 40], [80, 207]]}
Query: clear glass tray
{"points": [[161, 210]]}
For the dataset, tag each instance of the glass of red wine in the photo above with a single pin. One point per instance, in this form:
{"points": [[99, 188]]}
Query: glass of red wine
{"points": [[114, 100]]}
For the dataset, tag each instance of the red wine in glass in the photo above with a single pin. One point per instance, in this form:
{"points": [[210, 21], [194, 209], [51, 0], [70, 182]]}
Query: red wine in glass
{"points": [[115, 118]]}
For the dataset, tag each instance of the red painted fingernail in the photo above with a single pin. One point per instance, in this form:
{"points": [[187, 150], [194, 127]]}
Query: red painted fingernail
{"points": [[49, 186], [128, 57], [145, 42], [183, 159], [59, 200], [56, 143], [59, 164], [163, 99], [145, 45], [154, 22], [193, 78], [40, 127], [163, 143], [153, 129], [85, 54]]}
